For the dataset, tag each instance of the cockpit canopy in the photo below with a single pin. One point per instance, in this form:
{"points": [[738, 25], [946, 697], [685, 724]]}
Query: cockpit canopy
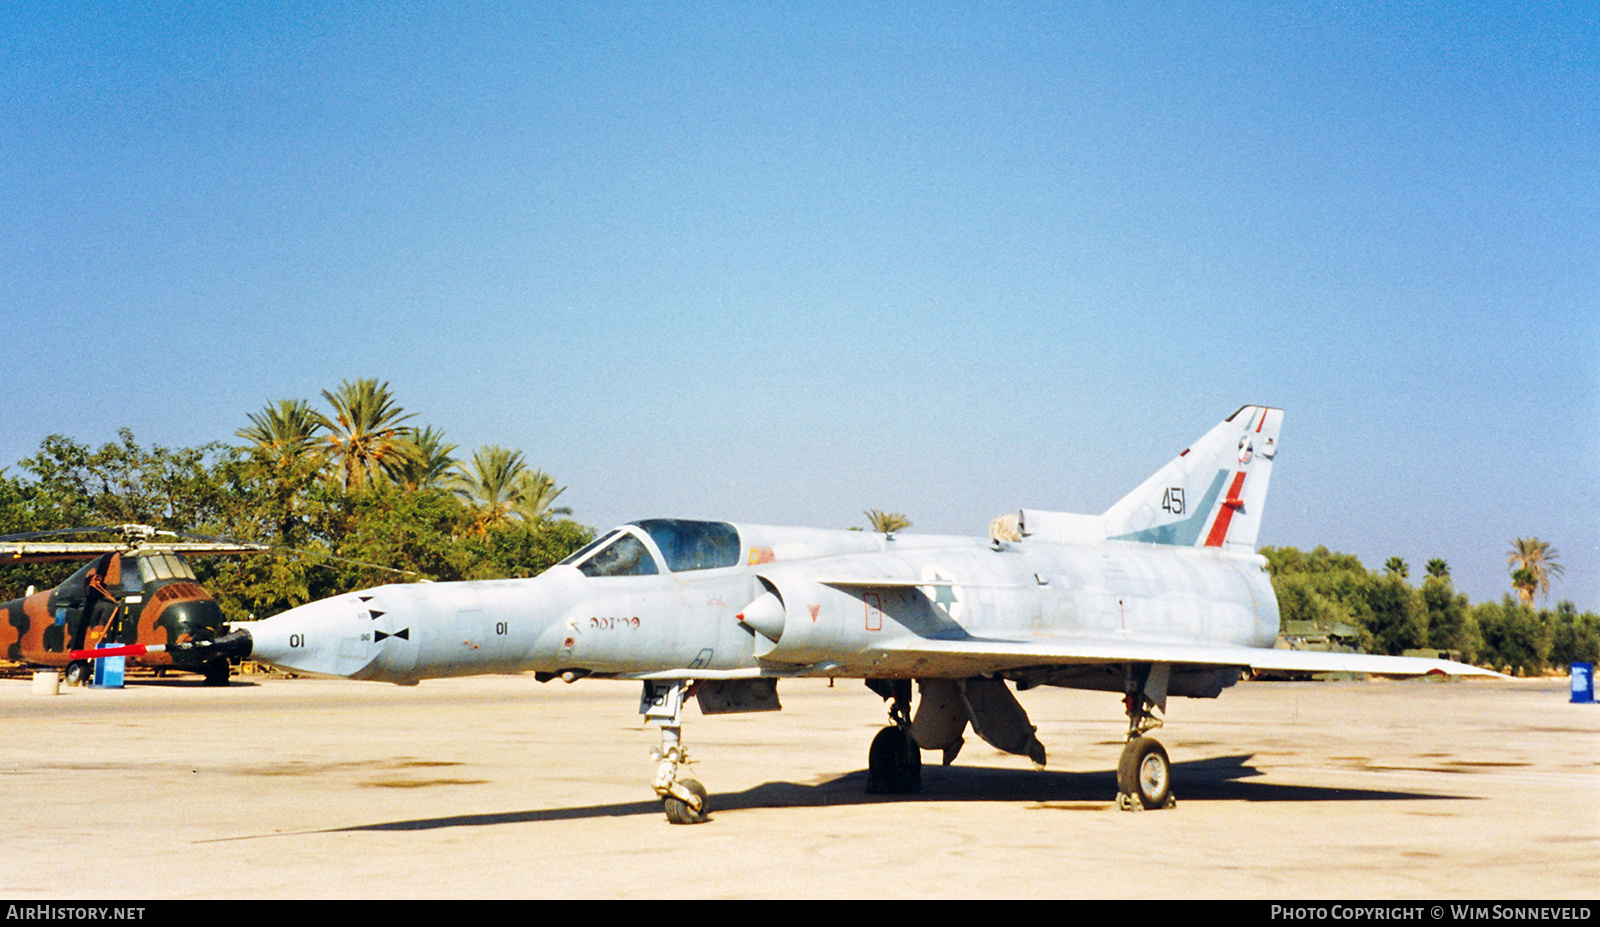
{"points": [[122, 574], [685, 545]]}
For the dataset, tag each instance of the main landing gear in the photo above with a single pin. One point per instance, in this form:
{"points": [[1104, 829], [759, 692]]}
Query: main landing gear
{"points": [[1144, 774], [684, 800], [79, 672], [894, 762]]}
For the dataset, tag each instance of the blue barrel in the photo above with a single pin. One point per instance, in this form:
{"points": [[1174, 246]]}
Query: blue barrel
{"points": [[1582, 682]]}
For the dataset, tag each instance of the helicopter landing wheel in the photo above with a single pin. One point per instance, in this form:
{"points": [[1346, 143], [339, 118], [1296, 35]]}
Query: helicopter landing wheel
{"points": [[79, 673]]}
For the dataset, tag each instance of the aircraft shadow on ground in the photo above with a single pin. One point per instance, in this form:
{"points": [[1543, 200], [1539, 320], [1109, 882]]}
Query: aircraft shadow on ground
{"points": [[1215, 779]]}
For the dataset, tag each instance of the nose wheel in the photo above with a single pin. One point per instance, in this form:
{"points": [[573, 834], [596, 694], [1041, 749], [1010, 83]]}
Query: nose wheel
{"points": [[685, 801], [692, 811]]}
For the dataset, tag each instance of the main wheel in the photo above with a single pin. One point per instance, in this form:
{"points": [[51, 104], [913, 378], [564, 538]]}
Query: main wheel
{"points": [[894, 764], [216, 673], [78, 673], [678, 810], [1145, 773]]}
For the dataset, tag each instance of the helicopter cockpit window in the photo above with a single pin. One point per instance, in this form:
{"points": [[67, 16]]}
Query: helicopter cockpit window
{"points": [[625, 556], [693, 545], [132, 578], [154, 568], [163, 565]]}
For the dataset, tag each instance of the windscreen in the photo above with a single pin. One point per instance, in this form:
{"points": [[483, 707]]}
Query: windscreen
{"points": [[625, 556]]}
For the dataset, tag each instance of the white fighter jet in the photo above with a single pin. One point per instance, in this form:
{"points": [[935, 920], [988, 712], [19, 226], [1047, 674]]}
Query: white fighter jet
{"points": [[1162, 595]]}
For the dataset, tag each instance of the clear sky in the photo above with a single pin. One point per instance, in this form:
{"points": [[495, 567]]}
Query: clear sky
{"points": [[783, 262]]}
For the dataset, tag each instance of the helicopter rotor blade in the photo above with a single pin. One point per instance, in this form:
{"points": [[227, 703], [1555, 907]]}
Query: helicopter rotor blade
{"points": [[57, 532], [31, 546]]}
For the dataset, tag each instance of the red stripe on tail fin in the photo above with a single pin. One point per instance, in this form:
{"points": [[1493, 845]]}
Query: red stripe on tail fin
{"points": [[1231, 504]]}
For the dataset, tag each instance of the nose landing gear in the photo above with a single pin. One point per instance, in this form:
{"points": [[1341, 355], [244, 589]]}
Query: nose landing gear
{"points": [[685, 801]]}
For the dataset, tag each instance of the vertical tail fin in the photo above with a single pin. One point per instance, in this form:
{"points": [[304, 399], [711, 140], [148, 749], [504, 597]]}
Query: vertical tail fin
{"points": [[1212, 494]]}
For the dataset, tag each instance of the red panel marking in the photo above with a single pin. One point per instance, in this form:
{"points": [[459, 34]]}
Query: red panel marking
{"points": [[1263, 421], [1219, 528]]}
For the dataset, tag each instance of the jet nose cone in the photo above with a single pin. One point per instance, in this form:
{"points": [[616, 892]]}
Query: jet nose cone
{"points": [[325, 638]]}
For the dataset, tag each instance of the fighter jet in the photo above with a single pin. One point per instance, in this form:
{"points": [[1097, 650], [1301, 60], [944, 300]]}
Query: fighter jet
{"points": [[1162, 595]]}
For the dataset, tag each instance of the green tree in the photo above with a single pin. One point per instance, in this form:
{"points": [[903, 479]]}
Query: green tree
{"points": [[1533, 564], [1450, 622], [24, 508], [1396, 617], [122, 482], [1514, 638], [1574, 638], [523, 548], [1439, 568], [1323, 587], [1394, 566], [365, 437]]}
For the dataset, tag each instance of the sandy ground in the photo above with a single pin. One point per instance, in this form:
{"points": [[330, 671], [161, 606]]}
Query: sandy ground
{"points": [[503, 787]]}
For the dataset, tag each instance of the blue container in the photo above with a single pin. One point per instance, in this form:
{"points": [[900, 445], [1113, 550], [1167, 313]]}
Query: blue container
{"points": [[1582, 682], [108, 671]]}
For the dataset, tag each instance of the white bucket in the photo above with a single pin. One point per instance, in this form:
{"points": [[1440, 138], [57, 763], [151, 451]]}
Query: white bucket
{"points": [[47, 682]]}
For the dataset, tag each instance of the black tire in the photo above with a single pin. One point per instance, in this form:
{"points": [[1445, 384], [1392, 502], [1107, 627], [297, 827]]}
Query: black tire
{"points": [[679, 812], [216, 672], [79, 673], [1145, 772], [894, 764]]}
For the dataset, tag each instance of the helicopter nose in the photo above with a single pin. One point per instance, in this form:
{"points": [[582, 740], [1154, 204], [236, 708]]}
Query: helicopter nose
{"points": [[323, 638]]}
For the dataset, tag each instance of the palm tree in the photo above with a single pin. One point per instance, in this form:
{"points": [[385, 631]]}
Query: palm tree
{"points": [[1439, 568], [500, 488], [365, 436], [887, 522], [1397, 567], [429, 462], [284, 431], [1532, 564], [537, 491]]}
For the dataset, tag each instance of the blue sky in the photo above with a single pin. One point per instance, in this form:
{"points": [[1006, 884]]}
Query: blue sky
{"points": [[781, 263]]}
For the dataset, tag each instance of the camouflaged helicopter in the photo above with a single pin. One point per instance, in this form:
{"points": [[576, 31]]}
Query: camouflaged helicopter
{"points": [[137, 598]]}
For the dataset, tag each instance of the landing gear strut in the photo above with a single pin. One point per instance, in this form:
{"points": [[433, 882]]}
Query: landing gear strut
{"points": [[684, 800], [894, 763], [1144, 774]]}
